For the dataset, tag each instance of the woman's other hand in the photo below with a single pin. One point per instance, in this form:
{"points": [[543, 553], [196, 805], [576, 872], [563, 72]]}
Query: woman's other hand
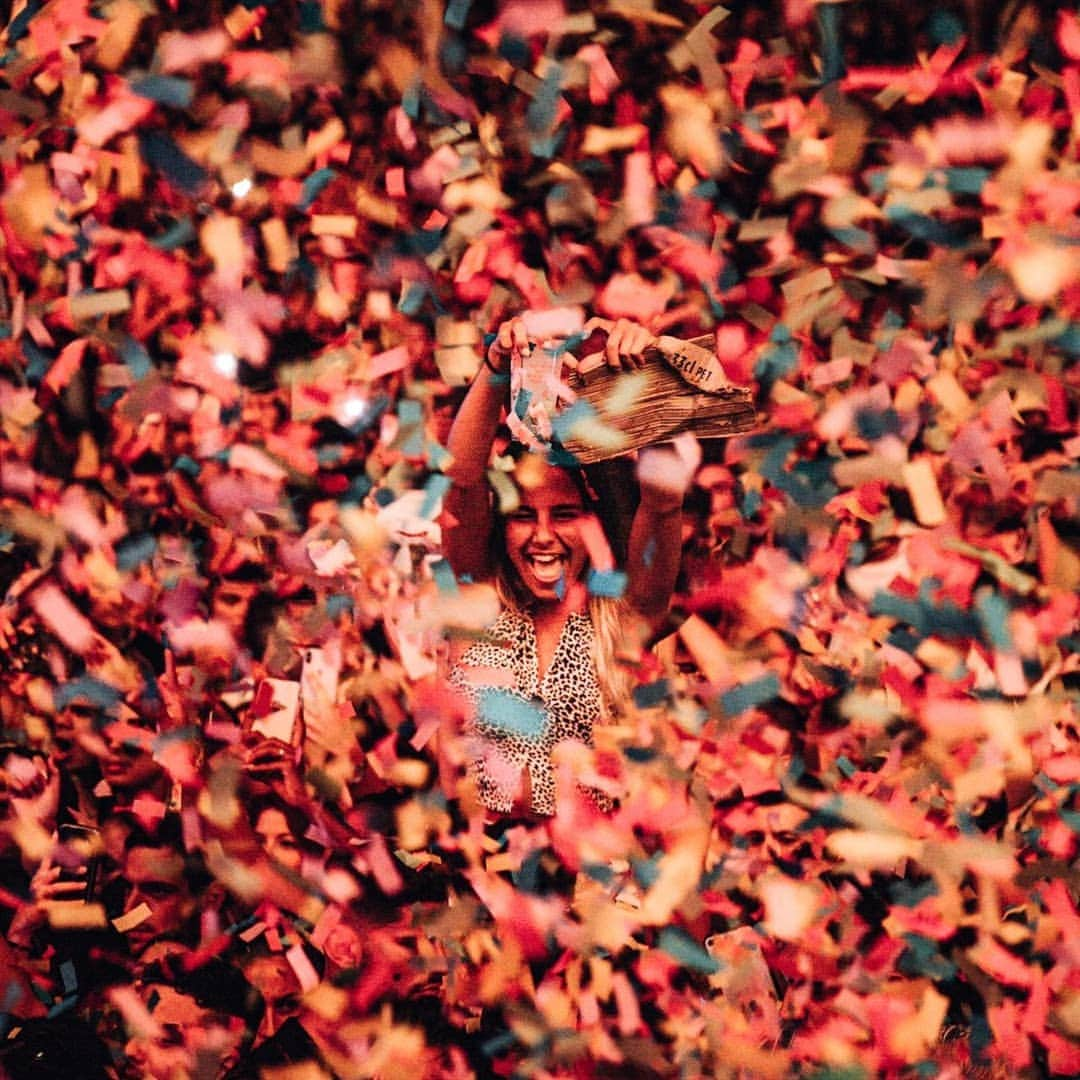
{"points": [[627, 341], [666, 472]]}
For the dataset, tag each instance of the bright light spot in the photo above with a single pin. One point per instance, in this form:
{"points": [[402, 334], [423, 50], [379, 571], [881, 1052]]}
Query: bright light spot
{"points": [[241, 187], [352, 410], [225, 363]]}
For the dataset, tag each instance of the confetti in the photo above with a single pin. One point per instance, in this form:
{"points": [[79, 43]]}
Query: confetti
{"points": [[252, 260]]}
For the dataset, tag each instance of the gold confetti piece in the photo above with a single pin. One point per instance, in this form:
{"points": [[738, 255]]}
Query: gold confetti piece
{"points": [[91, 305], [122, 21], [321, 141], [806, 285], [762, 228], [945, 387], [925, 497], [344, 225], [598, 141], [222, 239], [914, 1036], [872, 850], [708, 649], [281, 249], [130, 919], [791, 907], [276, 160]]}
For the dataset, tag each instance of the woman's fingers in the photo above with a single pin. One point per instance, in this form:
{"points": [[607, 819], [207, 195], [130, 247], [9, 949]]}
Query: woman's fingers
{"points": [[511, 337], [626, 344]]}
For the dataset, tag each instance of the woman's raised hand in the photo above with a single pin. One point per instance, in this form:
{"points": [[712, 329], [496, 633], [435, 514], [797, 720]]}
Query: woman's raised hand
{"points": [[627, 341], [512, 337]]}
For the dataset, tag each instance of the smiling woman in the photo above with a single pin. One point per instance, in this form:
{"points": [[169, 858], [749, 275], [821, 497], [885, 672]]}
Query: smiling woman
{"points": [[547, 669]]}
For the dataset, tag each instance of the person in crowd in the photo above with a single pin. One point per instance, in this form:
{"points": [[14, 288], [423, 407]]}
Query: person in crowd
{"points": [[201, 1023], [548, 670], [163, 891]]}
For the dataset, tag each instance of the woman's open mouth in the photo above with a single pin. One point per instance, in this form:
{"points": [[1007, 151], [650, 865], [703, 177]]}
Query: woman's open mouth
{"points": [[548, 568]]}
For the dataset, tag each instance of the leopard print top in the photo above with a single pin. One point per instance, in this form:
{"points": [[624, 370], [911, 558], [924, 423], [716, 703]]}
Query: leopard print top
{"points": [[519, 721]]}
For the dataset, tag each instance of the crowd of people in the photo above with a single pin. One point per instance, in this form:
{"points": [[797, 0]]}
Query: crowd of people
{"points": [[345, 735]]}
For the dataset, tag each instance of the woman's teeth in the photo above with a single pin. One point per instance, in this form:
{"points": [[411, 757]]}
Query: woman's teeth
{"points": [[547, 568]]}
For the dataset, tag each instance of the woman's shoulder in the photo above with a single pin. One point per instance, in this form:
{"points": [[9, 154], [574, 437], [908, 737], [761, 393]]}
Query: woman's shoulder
{"points": [[470, 613]]}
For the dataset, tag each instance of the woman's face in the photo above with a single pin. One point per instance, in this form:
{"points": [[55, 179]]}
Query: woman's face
{"points": [[278, 840], [544, 541]]}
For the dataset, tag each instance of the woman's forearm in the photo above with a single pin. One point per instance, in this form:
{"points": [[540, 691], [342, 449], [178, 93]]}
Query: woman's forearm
{"points": [[654, 556], [467, 507], [473, 430]]}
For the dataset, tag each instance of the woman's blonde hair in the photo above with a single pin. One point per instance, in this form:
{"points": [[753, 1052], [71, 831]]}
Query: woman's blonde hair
{"points": [[609, 620]]}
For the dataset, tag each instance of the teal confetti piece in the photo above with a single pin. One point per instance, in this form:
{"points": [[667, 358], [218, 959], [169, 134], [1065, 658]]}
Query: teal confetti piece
{"points": [[409, 412], [187, 465], [600, 872], [311, 17], [176, 236], [651, 694], [945, 621], [88, 689], [776, 362], [438, 457], [607, 583], [925, 228], [438, 484], [923, 957], [410, 100], [19, 27], [313, 186], [1069, 341], [135, 357], [358, 490], [739, 699], [168, 90], [829, 19], [68, 977], [646, 871], [521, 403], [135, 551], [338, 604], [442, 574], [502, 710], [993, 611], [38, 361], [540, 115], [966, 180], [563, 424], [162, 154], [457, 11], [679, 944], [412, 299], [911, 895]]}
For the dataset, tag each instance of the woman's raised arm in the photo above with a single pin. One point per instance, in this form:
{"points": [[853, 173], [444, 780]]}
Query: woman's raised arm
{"points": [[467, 531], [655, 547]]}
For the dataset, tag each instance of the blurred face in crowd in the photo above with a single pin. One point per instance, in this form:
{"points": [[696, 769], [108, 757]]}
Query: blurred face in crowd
{"points": [[76, 720], [156, 877], [186, 1039], [278, 839], [231, 603], [128, 764], [543, 536], [275, 979]]}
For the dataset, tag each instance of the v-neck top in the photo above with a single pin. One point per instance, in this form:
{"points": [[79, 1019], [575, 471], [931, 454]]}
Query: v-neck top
{"points": [[519, 718]]}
